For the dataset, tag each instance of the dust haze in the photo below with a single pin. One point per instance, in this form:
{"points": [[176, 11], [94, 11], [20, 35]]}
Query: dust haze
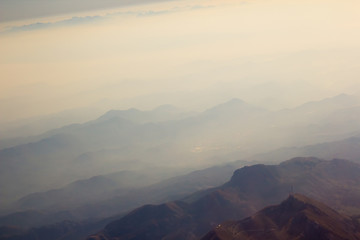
{"points": [[125, 96]]}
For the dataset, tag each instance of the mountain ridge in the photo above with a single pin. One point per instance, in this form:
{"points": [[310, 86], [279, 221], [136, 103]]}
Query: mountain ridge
{"points": [[333, 182], [298, 217]]}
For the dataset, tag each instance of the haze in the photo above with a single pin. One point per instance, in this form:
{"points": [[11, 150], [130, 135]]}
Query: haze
{"points": [[190, 54], [109, 105]]}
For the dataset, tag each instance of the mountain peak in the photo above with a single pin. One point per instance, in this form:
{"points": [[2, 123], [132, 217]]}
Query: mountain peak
{"points": [[299, 198], [166, 108], [342, 96], [303, 162], [119, 113], [233, 106], [235, 101], [249, 177], [298, 202], [298, 217], [339, 101]]}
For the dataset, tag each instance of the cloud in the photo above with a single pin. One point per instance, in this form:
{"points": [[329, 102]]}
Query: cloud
{"points": [[151, 13], [229, 50], [42, 25], [76, 20], [15, 10]]}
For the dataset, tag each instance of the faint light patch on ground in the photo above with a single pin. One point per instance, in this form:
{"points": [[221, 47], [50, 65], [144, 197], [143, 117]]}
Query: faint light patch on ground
{"points": [[197, 149]]}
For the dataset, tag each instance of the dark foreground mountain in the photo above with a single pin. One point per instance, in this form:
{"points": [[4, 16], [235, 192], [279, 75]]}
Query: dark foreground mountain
{"points": [[50, 232], [336, 183], [65, 230], [77, 224], [298, 217]]}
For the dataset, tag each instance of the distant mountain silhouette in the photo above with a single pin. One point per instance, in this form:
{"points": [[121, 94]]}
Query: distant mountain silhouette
{"points": [[102, 196], [297, 218], [234, 106], [119, 140], [338, 101], [33, 218], [160, 114], [92, 190], [65, 230], [335, 183], [348, 148], [165, 143]]}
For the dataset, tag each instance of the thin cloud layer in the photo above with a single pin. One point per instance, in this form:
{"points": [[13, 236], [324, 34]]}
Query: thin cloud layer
{"points": [[92, 18], [271, 53], [42, 25], [13, 10]]}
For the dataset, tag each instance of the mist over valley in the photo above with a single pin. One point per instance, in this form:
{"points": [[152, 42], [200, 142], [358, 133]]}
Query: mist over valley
{"points": [[179, 120]]}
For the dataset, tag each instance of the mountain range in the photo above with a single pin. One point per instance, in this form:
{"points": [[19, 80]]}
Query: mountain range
{"points": [[104, 196], [90, 174], [251, 188], [110, 191], [298, 217], [167, 142]]}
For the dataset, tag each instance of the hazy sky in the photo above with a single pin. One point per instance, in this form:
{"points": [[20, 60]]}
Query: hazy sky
{"points": [[274, 53], [12, 10]]}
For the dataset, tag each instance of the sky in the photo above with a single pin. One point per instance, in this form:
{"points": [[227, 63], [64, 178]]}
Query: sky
{"points": [[192, 54], [12, 10]]}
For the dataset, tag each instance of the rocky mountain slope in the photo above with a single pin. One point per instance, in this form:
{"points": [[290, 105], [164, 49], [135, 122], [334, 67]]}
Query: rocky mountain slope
{"points": [[298, 217], [336, 183]]}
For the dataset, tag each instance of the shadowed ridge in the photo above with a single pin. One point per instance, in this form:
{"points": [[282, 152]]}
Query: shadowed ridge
{"points": [[148, 218], [308, 162], [234, 106], [252, 188], [131, 112], [249, 177], [298, 217], [257, 182]]}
